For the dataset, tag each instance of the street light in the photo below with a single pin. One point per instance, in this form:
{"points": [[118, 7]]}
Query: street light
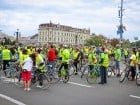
{"points": [[17, 33], [76, 37], [135, 38]]}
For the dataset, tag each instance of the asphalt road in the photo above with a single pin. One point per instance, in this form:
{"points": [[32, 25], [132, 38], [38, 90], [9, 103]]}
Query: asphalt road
{"points": [[76, 92]]}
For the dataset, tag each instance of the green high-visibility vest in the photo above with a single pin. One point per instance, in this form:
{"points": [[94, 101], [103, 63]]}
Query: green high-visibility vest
{"points": [[6, 54], [105, 58]]}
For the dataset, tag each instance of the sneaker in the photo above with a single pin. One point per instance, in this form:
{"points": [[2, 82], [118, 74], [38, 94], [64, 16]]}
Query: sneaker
{"points": [[118, 75], [39, 86], [25, 89], [28, 89], [76, 73], [101, 83]]}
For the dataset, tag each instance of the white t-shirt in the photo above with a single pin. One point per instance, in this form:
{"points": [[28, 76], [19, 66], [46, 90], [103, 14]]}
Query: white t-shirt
{"points": [[28, 64]]}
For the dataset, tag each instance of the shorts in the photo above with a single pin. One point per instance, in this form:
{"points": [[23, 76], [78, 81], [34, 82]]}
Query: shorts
{"points": [[26, 76], [118, 65]]}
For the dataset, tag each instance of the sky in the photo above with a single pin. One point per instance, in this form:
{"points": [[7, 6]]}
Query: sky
{"points": [[101, 16]]}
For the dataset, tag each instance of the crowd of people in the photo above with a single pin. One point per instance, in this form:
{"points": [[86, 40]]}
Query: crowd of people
{"points": [[30, 56]]}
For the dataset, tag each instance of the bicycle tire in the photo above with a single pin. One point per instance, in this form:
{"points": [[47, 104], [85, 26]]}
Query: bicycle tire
{"points": [[64, 75], [83, 71], [122, 76], [92, 77], [46, 81], [55, 76], [128, 75], [71, 70], [138, 79], [19, 79]]}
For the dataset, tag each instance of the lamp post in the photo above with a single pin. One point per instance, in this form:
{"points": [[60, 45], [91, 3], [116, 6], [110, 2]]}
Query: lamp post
{"points": [[3, 41], [76, 37], [17, 33], [135, 38]]}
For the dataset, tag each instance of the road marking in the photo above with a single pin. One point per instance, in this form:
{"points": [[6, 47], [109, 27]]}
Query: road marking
{"points": [[80, 84], [134, 96], [12, 100]]}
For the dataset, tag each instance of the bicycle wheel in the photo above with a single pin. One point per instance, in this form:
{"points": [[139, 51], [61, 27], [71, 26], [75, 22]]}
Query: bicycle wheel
{"points": [[46, 81], [64, 75], [0, 71], [55, 77], [83, 72], [92, 77], [128, 75], [122, 76], [18, 79], [138, 79], [71, 70]]}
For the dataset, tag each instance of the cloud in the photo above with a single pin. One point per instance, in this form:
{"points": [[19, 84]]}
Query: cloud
{"points": [[98, 15]]}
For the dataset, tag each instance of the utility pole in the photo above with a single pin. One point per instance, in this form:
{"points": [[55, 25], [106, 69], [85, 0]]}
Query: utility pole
{"points": [[121, 27]]}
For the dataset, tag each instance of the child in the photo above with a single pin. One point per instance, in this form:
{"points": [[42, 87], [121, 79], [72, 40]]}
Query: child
{"points": [[26, 71]]}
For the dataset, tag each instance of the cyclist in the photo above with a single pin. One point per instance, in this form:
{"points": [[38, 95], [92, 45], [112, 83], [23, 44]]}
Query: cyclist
{"points": [[77, 57], [138, 58], [126, 54], [40, 63], [65, 59], [22, 57], [6, 57], [92, 60], [104, 61], [51, 58], [133, 62]]}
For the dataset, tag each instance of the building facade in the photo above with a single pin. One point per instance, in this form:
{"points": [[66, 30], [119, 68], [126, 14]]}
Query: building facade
{"points": [[34, 39], [61, 34]]}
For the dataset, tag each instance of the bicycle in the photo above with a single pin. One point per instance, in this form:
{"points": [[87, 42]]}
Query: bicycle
{"points": [[72, 68], [53, 73], [1, 70], [84, 69], [93, 75], [38, 77], [63, 75], [138, 78], [110, 71], [80, 68], [125, 73], [11, 71]]}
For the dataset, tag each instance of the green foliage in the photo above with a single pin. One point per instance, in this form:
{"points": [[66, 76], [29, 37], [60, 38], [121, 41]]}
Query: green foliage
{"points": [[95, 41], [135, 44], [114, 42], [7, 41], [126, 43]]}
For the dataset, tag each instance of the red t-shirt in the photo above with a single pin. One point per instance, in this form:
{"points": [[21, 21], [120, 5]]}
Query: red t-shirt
{"points": [[51, 54]]}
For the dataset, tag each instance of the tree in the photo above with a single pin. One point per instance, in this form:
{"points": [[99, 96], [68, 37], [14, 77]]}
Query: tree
{"points": [[126, 43], [135, 44], [114, 42], [95, 41]]}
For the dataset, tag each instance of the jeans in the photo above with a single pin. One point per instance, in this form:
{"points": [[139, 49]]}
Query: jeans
{"points": [[103, 74], [50, 65]]}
